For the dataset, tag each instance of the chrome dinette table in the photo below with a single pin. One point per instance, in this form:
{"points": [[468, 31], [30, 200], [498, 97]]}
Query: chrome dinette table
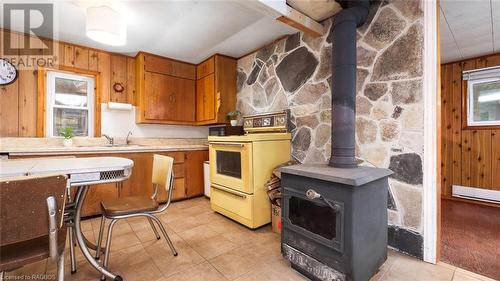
{"points": [[82, 173]]}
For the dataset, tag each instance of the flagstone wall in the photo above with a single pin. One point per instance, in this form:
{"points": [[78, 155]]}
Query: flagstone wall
{"points": [[295, 74]]}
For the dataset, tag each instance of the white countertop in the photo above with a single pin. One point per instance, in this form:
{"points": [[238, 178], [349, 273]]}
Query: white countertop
{"points": [[60, 150], [33, 166]]}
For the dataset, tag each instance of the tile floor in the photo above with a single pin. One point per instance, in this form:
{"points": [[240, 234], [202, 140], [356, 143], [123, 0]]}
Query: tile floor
{"points": [[212, 247]]}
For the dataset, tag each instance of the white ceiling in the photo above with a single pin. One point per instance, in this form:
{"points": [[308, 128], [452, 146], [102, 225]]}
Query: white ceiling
{"points": [[186, 30], [469, 28]]}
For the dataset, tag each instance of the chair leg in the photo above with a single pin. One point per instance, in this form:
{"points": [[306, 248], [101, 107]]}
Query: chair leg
{"points": [[108, 246], [71, 234], [169, 242], [154, 229], [60, 267], [99, 239]]}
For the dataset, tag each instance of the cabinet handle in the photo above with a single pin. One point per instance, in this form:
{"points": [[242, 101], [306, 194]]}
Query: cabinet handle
{"points": [[227, 144], [228, 192]]}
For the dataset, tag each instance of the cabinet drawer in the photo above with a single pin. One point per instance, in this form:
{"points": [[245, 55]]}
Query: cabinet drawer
{"points": [[232, 201], [205, 68], [178, 156], [179, 170]]}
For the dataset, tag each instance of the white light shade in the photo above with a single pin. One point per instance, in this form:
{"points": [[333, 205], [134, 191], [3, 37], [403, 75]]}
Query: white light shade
{"points": [[106, 26]]}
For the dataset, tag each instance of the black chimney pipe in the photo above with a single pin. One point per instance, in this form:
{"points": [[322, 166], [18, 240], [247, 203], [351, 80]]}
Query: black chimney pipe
{"points": [[344, 81]]}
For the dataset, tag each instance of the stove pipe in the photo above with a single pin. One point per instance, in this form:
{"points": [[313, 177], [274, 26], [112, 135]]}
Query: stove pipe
{"points": [[344, 81]]}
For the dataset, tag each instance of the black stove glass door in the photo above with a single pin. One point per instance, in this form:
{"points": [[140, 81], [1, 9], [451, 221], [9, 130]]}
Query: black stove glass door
{"points": [[314, 217], [228, 163]]}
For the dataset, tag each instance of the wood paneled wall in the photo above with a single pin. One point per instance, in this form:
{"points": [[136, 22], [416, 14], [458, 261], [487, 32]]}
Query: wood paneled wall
{"points": [[18, 101], [470, 156]]}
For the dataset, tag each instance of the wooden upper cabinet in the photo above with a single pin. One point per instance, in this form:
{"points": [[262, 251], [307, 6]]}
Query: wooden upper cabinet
{"points": [[205, 68], [216, 89], [173, 92], [168, 98], [205, 97], [166, 90], [170, 67]]}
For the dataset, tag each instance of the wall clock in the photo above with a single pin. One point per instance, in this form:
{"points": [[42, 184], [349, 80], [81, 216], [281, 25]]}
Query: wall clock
{"points": [[8, 72]]}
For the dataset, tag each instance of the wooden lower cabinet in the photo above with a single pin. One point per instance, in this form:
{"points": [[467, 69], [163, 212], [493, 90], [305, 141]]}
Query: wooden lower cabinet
{"points": [[188, 178]]}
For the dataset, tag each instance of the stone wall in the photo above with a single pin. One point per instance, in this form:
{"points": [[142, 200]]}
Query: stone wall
{"points": [[295, 74]]}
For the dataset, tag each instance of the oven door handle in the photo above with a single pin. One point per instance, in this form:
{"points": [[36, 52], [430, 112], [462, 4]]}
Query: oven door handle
{"points": [[227, 144], [223, 189]]}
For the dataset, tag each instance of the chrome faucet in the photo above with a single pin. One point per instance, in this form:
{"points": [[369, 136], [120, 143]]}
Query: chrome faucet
{"points": [[110, 139], [127, 141]]}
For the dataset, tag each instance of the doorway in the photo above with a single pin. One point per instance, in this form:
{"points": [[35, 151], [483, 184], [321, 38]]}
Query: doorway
{"points": [[470, 136]]}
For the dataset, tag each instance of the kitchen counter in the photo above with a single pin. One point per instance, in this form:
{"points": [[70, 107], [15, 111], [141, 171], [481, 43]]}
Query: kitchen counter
{"points": [[43, 146]]}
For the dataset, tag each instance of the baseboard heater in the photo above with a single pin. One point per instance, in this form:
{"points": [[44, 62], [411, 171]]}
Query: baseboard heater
{"points": [[480, 194]]}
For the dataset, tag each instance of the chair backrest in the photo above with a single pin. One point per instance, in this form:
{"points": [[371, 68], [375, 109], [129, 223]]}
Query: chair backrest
{"points": [[162, 170], [23, 208]]}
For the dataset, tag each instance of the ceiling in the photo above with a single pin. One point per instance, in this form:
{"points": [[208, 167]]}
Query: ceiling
{"points": [[469, 28], [185, 30]]}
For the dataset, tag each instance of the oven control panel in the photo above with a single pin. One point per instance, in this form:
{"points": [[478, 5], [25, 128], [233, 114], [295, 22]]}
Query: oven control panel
{"points": [[268, 122]]}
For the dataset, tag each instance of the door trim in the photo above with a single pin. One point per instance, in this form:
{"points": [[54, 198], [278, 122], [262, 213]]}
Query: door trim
{"points": [[431, 90]]}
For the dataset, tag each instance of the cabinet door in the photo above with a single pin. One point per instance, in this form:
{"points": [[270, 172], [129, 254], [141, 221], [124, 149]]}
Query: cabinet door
{"points": [[157, 97], [205, 68], [139, 183], [184, 95], [179, 191], [205, 109], [194, 172]]}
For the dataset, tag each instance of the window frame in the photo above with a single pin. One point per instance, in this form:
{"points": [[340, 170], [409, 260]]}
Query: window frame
{"points": [[50, 100], [470, 104]]}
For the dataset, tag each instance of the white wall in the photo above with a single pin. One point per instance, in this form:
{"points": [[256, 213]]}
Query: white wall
{"points": [[117, 123]]}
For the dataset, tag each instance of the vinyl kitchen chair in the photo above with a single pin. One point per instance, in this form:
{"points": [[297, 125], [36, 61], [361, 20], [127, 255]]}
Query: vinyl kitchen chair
{"points": [[31, 213], [137, 206]]}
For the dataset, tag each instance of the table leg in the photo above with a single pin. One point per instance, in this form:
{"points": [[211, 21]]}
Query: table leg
{"points": [[81, 193], [72, 256]]}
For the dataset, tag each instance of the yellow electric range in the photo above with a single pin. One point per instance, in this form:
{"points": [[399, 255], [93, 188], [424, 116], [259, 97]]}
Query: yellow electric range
{"points": [[241, 165]]}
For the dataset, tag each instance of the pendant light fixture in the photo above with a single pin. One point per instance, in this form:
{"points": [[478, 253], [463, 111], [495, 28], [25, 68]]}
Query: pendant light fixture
{"points": [[106, 26]]}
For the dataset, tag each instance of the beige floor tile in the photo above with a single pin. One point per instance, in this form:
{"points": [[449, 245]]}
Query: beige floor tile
{"points": [[123, 241], [412, 269], [134, 263], [166, 262], [273, 271], [27, 272], [238, 261], [186, 223], [197, 234], [391, 259], [202, 272], [213, 246]]}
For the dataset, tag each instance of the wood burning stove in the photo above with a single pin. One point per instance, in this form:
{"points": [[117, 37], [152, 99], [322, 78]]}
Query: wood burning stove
{"points": [[334, 220]]}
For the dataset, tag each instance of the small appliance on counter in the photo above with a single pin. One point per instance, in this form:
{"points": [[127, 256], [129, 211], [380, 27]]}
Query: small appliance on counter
{"points": [[226, 130], [240, 165]]}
